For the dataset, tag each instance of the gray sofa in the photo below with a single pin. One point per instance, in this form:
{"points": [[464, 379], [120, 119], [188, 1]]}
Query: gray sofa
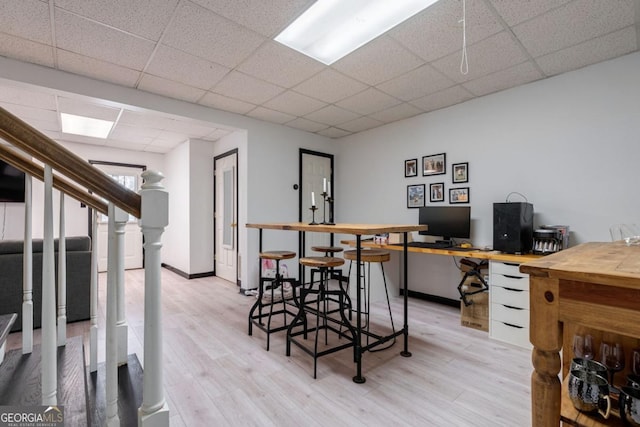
{"points": [[78, 251]]}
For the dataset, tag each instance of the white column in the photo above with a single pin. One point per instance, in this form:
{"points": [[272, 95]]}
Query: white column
{"points": [[27, 271], [111, 361], [154, 218], [93, 330], [120, 221], [48, 364], [62, 278]]}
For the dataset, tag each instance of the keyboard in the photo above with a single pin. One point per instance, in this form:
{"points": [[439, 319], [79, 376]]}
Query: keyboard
{"points": [[430, 245]]}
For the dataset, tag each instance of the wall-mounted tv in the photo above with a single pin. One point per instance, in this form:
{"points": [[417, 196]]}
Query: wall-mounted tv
{"points": [[11, 184]]}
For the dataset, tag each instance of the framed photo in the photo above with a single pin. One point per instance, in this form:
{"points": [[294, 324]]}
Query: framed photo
{"points": [[410, 168], [460, 172], [459, 195], [415, 196], [436, 192], [435, 164]]}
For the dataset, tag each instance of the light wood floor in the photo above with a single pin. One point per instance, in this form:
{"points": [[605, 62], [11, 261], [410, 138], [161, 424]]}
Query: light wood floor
{"points": [[217, 375]]}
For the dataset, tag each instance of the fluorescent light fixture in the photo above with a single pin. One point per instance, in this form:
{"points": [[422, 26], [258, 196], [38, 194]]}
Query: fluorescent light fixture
{"points": [[85, 126], [331, 29]]}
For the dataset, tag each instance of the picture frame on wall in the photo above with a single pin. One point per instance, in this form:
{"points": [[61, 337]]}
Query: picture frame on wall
{"points": [[415, 196], [460, 172], [436, 192], [459, 195], [435, 164], [410, 168]]}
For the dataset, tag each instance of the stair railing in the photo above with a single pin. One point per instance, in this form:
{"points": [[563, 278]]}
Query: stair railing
{"points": [[150, 206]]}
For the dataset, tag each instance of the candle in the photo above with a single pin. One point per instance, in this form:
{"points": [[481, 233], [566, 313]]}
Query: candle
{"points": [[313, 199], [329, 188], [324, 185]]}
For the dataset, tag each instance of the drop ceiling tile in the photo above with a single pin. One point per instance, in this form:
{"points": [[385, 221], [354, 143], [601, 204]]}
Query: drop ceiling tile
{"points": [[515, 12], [56, 136], [184, 68], [217, 134], [145, 119], [330, 86], [398, 112], [27, 19], [276, 63], [126, 145], [451, 96], [225, 103], [44, 125], [595, 50], [306, 125], [294, 103], [25, 112], [574, 23], [368, 101], [164, 144], [192, 128], [151, 148], [97, 69], [200, 32], [495, 53], [82, 139], [437, 31], [26, 50], [134, 133], [170, 88], [270, 115], [144, 18], [416, 83], [246, 88], [266, 17], [87, 109], [97, 41], [29, 98], [360, 124], [332, 115], [514, 76], [166, 137], [333, 133], [379, 60]]}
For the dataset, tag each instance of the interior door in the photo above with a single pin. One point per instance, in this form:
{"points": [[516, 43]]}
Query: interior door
{"points": [[226, 216], [315, 168]]}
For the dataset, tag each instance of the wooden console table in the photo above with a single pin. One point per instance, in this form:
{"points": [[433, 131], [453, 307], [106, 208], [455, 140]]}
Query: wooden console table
{"points": [[596, 285]]}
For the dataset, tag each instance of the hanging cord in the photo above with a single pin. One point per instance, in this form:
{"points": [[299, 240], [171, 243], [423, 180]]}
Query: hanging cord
{"points": [[464, 62], [519, 194]]}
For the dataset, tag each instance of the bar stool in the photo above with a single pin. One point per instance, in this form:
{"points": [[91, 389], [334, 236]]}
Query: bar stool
{"points": [[322, 316], [330, 251], [367, 257], [271, 299]]}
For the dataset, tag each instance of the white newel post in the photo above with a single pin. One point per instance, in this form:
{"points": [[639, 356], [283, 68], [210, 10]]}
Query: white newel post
{"points": [[48, 364], [120, 221], [27, 271], [62, 279], [93, 330], [154, 218], [111, 359]]}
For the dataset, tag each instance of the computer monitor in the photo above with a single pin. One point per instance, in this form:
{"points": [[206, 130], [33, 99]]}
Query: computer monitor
{"points": [[446, 221]]}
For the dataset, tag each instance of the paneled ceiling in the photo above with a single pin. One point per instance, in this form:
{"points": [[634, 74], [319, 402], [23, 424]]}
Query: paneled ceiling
{"points": [[221, 54]]}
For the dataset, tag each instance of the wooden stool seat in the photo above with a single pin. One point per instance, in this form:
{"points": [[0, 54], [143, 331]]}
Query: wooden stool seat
{"points": [[277, 255], [327, 249], [368, 255], [321, 261]]}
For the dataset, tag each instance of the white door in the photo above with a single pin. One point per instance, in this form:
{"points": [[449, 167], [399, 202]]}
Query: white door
{"points": [[133, 258], [315, 170], [226, 217]]}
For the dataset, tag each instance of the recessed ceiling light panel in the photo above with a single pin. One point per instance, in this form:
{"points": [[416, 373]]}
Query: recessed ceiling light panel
{"points": [[331, 29], [85, 126]]}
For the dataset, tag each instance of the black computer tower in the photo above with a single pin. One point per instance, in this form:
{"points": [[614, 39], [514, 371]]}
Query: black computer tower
{"points": [[513, 227]]}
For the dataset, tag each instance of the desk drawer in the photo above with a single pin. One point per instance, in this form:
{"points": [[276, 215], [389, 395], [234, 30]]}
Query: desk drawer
{"points": [[508, 281], [509, 296], [510, 333], [509, 269], [512, 315]]}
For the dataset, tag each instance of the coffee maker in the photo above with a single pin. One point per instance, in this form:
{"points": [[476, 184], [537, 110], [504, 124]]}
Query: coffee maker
{"points": [[550, 239]]}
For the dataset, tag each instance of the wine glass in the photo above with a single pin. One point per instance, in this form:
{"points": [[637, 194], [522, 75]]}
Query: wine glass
{"points": [[588, 352], [635, 360], [614, 361], [578, 346]]}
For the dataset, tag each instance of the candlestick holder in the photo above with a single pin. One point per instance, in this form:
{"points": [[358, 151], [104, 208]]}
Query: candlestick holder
{"points": [[313, 210], [327, 199], [330, 201]]}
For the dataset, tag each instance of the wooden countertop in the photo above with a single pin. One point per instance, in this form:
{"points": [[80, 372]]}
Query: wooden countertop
{"points": [[340, 227]]}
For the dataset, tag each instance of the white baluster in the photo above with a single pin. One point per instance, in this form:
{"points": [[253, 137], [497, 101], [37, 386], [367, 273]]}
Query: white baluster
{"points": [[62, 279], [27, 271], [111, 361], [120, 221], [93, 330], [48, 329], [154, 218]]}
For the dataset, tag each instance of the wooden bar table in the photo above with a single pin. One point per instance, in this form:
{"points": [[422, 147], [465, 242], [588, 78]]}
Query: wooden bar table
{"points": [[358, 230], [596, 285]]}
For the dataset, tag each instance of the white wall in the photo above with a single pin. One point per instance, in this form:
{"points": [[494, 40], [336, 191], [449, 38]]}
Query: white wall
{"points": [[570, 144], [176, 237]]}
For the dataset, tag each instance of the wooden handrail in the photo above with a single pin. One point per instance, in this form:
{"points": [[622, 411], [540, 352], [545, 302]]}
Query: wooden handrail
{"points": [[43, 148], [37, 171]]}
